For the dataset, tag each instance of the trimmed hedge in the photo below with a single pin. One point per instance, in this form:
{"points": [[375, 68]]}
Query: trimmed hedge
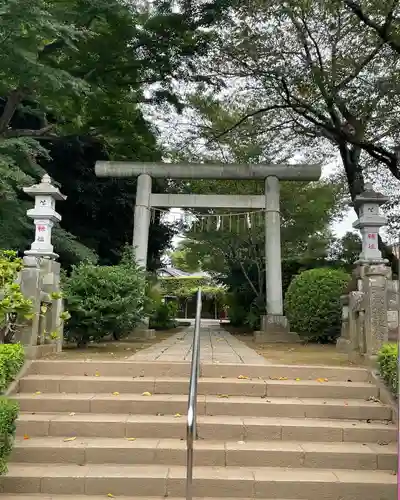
{"points": [[104, 300], [8, 416], [387, 362], [11, 360], [313, 306]]}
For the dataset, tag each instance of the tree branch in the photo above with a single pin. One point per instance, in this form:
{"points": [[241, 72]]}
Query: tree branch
{"points": [[359, 68], [382, 31], [8, 134], [246, 117], [13, 101]]}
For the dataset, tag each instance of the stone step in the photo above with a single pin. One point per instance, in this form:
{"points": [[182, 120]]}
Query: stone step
{"points": [[207, 453], [322, 388], [221, 482], [229, 428], [39, 496], [129, 368], [206, 405]]}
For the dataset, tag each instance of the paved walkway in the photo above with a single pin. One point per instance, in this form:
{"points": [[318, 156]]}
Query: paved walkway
{"points": [[216, 346]]}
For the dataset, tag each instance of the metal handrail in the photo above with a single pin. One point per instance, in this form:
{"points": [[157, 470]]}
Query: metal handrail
{"points": [[191, 429]]}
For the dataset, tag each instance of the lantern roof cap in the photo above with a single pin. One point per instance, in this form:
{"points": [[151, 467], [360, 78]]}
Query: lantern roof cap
{"points": [[370, 196], [45, 188]]}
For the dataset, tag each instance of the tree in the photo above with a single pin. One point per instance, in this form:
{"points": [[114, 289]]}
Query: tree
{"points": [[314, 74], [180, 259], [386, 28], [73, 74], [346, 249]]}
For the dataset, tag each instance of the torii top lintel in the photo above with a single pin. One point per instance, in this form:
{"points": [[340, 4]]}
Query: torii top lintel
{"points": [[285, 172]]}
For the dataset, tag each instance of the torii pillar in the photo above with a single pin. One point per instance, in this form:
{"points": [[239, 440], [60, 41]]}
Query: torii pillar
{"points": [[275, 327]]}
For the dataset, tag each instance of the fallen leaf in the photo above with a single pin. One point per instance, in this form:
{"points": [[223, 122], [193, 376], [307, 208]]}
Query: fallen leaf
{"points": [[115, 393], [66, 440], [146, 393], [38, 392], [110, 495], [322, 380], [283, 378], [177, 415], [223, 396], [297, 379], [97, 374], [243, 377], [26, 437], [130, 439], [72, 414]]}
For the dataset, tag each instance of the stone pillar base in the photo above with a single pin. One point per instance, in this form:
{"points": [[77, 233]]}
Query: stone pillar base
{"points": [[275, 328], [343, 345]]}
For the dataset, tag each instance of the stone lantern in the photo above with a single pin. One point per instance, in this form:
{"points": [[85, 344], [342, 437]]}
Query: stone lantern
{"points": [[44, 217], [369, 222]]}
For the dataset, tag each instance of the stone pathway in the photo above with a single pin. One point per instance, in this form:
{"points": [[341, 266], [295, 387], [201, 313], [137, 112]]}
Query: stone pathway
{"points": [[216, 346]]}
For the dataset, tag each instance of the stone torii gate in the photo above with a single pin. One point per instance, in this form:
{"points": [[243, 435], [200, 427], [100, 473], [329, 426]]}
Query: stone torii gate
{"points": [[274, 324]]}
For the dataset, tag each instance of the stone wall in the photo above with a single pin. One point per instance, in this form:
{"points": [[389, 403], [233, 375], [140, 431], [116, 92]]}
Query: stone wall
{"points": [[370, 312], [393, 309]]}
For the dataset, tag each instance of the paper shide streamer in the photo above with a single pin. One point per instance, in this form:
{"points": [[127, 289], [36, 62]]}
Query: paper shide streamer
{"points": [[233, 222]]}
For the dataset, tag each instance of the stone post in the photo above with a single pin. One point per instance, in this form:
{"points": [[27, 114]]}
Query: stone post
{"points": [[273, 247], [141, 227], [30, 287], [343, 342], [44, 217], [376, 308], [274, 326], [142, 219]]}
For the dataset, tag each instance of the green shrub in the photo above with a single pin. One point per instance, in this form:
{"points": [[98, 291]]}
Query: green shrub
{"points": [[388, 366], [8, 415], [313, 306], [104, 300], [164, 317], [12, 358], [14, 307]]}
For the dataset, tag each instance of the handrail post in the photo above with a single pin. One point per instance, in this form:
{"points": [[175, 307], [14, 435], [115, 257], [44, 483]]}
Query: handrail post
{"points": [[191, 430]]}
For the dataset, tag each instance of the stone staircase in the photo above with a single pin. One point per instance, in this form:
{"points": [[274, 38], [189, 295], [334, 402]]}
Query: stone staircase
{"points": [[97, 429]]}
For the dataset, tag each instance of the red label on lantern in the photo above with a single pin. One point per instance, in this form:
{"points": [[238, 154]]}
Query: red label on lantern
{"points": [[41, 228], [372, 236]]}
